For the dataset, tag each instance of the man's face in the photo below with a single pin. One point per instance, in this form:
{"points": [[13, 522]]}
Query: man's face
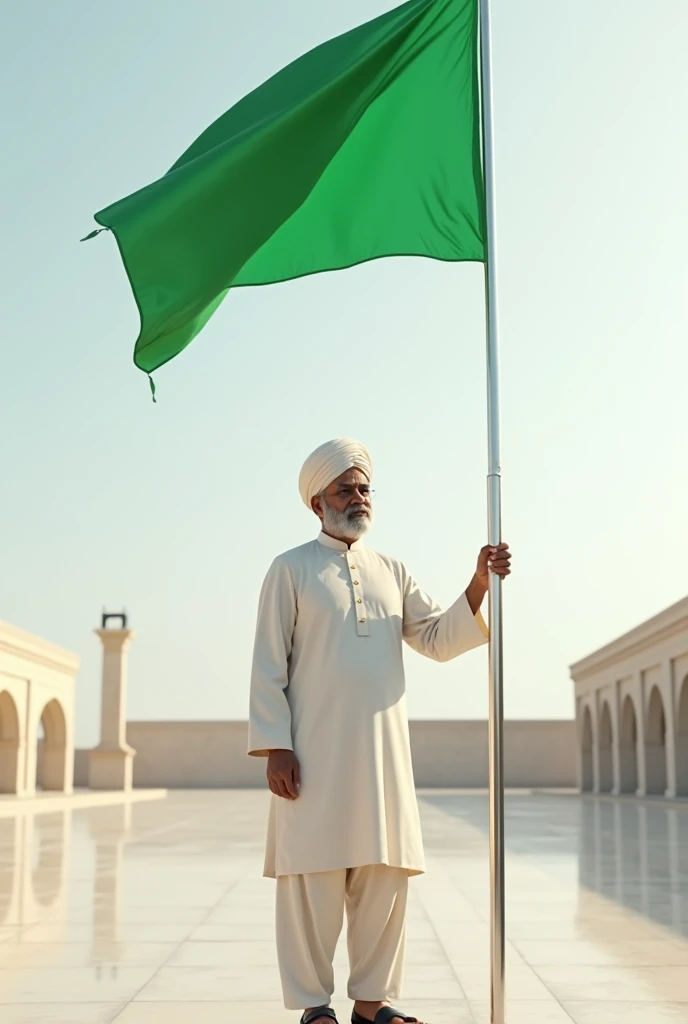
{"points": [[346, 504], [352, 491]]}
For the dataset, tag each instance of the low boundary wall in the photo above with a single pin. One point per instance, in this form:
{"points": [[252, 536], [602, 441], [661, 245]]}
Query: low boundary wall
{"points": [[446, 754]]}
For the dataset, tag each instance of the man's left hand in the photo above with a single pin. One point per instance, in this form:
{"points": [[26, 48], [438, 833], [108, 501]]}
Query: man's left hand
{"points": [[493, 559]]}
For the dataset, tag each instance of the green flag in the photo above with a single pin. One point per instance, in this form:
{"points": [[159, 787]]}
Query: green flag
{"points": [[368, 146]]}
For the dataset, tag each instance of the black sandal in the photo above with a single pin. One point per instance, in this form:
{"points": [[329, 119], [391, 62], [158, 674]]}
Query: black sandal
{"points": [[319, 1011], [383, 1016]]}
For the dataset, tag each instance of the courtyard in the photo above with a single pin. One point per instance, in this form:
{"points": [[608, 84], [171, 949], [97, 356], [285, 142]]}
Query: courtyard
{"points": [[156, 913]]}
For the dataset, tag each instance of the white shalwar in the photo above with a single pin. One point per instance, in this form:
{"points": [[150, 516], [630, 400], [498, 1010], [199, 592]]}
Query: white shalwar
{"points": [[328, 683], [309, 919]]}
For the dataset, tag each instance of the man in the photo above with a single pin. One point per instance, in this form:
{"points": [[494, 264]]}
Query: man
{"points": [[328, 711]]}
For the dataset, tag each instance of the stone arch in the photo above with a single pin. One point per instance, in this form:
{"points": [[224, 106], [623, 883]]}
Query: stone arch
{"points": [[655, 745], [586, 742], [9, 744], [682, 741], [605, 739], [52, 756], [628, 747]]}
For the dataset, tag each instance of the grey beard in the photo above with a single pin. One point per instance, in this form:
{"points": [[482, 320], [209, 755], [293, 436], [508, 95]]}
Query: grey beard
{"points": [[344, 525]]}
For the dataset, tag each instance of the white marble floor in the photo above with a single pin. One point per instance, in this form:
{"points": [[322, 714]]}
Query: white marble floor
{"points": [[156, 914]]}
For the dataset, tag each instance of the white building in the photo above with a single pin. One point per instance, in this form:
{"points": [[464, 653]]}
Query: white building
{"points": [[37, 714], [632, 710], [36, 704]]}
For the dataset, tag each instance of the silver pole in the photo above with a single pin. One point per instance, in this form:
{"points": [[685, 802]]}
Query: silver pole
{"points": [[494, 507]]}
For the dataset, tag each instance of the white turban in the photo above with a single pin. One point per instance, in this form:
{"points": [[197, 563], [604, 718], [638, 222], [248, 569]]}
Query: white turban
{"points": [[328, 462]]}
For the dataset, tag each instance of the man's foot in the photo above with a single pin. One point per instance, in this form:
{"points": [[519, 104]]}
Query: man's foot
{"points": [[367, 1012], [319, 1015]]}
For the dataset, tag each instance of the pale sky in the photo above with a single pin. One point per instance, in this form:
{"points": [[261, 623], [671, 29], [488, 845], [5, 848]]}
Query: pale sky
{"points": [[175, 510]]}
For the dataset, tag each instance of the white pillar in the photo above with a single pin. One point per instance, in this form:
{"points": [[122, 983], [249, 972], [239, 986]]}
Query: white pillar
{"points": [[595, 710], [111, 763], [586, 774], [679, 674], [639, 687], [579, 743], [670, 718], [615, 706]]}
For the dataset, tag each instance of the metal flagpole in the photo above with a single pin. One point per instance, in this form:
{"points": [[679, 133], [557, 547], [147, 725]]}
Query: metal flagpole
{"points": [[494, 507]]}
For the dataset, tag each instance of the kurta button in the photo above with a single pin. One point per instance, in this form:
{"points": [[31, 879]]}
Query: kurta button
{"points": [[352, 567], [361, 620], [359, 601], [355, 583]]}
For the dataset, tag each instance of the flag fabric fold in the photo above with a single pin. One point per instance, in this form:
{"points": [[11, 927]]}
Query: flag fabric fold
{"points": [[367, 146]]}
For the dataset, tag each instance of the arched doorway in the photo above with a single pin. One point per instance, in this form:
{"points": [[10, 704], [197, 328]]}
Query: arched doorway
{"points": [[52, 748], [655, 745], [9, 744], [586, 752], [606, 763], [628, 748], [682, 741]]}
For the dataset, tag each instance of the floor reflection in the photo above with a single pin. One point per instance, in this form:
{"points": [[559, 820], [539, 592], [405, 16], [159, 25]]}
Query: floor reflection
{"points": [[34, 861], [57, 872], [157, 914], [635, 854], [110, 827]]}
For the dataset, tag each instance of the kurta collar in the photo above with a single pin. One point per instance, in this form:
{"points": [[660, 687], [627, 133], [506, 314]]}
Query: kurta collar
{"points": [[339, 545]]}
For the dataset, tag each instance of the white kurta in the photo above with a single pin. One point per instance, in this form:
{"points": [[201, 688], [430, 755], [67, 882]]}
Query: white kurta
{"points": [[328, 683]]}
